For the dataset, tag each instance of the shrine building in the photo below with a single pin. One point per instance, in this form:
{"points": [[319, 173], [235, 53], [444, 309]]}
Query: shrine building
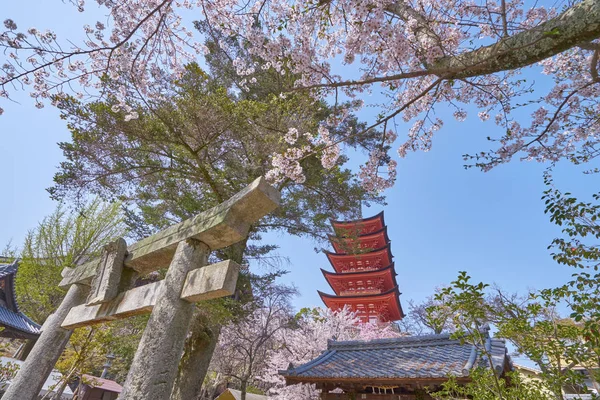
{"points": [[16, 324], [404, 368], [364, 278]]}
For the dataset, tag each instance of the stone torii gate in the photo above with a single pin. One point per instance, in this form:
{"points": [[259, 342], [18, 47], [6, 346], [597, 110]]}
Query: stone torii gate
{"points": [[100, 291]]}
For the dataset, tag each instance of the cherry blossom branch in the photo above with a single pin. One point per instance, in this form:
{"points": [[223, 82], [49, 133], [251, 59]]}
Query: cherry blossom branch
{"points": [[556, 114], [504, 20], [383, 120], [350, 83]]}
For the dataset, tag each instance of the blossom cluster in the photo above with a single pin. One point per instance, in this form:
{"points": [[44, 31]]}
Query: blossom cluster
{"points": [[398, 48], [306, 342]]}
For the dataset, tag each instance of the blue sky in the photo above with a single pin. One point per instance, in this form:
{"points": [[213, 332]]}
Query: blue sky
{"points": [[441, 218]]}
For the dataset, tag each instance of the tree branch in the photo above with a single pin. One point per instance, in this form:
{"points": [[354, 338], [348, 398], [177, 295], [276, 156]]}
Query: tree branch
{"points": [[576, 26]]}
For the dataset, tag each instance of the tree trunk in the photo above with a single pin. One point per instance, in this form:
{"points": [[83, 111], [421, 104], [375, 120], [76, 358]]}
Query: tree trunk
{"points": [[243, 388], [199, 348], [200, 345]]}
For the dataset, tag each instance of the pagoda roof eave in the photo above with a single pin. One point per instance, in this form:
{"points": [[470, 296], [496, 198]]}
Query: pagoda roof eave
{"points": [[387, 246], [333, 239], [356, 221], [356, 273], [363, 296], [390, 268], [330, 254], [363, 236], [367, 297]]}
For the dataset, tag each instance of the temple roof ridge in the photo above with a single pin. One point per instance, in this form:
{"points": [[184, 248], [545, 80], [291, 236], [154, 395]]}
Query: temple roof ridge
{"points": [[424, 339]]}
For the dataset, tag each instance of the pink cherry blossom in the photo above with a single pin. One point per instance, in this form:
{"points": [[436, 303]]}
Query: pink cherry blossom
{"points": [[420, 56]]}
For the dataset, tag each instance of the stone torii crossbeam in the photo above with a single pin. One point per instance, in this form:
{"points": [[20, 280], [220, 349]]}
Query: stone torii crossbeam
{"points": [[100, 291]]}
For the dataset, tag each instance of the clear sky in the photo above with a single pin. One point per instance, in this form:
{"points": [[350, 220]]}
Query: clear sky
{"points": [[441, 218]]}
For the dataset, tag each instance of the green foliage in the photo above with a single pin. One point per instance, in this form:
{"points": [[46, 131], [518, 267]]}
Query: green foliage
{"points": [[198, 147], [482, 387], [61, 240], [562, 348], [8, 370], [469, 308], [123, 342], [88, 347]]}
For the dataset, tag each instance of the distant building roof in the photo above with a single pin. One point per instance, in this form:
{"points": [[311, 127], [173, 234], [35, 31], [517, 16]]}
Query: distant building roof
{"points": [[232, 394], [18, 321], [520, 367], [17, 324], [101, 383], [401, 359], [8, 269], [49, 385]]}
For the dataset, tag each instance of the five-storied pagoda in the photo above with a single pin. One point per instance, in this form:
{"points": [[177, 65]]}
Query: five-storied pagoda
{"points": [[364, 277]]}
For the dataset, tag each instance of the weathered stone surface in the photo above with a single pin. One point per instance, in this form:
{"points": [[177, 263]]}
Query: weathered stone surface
{"points": [[48, 348], [210, 282], [135, 301], [218, 227], [156, 360], [105, 284]]}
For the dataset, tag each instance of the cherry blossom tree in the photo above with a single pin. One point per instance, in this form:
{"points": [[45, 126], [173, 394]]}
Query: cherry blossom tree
{"points": [[431, 316], [422, 55], [244, 344], [305, 342]]}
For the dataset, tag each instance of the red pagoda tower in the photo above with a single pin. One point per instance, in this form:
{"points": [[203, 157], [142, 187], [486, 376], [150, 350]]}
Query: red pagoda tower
{"points": [[364, 277]]}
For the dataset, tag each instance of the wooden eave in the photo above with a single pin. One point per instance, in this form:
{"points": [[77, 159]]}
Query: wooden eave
{"points": [[340, 257], [366, 381], [343, 244], [10, 293], [392, 294], [330, 277], [359, 225]]}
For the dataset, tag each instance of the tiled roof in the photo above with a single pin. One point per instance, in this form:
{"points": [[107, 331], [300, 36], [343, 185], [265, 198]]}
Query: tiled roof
{"points": [[431, 356], [101, 383], [8, 269], [18, 321], [14, 318]]}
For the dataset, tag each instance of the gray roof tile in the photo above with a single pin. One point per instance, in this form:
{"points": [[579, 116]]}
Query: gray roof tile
{"points": [[18, 321], [14, 318], [8, 269], [431, 356]]}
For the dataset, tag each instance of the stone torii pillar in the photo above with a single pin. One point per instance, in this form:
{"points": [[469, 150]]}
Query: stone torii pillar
{"points": [[100, 291]]}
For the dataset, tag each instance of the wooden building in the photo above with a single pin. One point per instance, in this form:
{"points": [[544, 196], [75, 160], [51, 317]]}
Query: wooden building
{"points": [[94, 388], [364, 277], [395, 369], [233, 394]]}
